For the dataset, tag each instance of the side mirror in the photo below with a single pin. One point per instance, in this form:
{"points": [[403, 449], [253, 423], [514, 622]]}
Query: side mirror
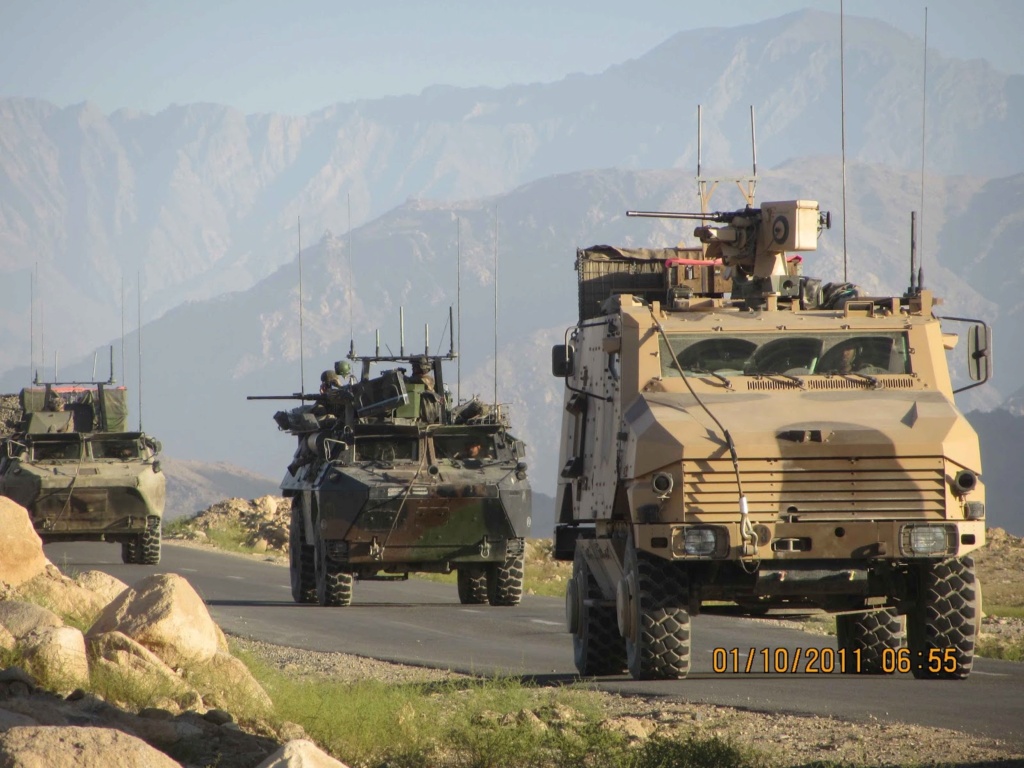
{"points": [[979, 352], [519, 448], [562, 360]]}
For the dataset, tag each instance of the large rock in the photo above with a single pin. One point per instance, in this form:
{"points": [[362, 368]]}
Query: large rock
{"points": [[163, 613], [56, 655], [46, 747], [300, 753], [21, 549], [19, 618], [63, 596], [118, 656], [226, 683], [103, 584]]}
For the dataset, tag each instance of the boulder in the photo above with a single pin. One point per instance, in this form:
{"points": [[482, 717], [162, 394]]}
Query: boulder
{"points": [[56, 655], [300, 753], [45, 747], [117, 655], [163, 613], [21, 549], [19, 618], [63, 596], [103, 584], [226, 683]]}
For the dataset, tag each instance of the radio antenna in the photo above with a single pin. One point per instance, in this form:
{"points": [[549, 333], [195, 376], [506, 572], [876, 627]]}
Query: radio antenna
{"points": [[924, 113], [351, 274], [31, 323], [124, 372], [495, 305], [458, 304], [842, 123], [302, 356], [42, 325], [140, 349]]}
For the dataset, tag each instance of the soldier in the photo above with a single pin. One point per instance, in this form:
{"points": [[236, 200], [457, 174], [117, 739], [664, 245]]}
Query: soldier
{"points": [[329, 380], [422, 372]]}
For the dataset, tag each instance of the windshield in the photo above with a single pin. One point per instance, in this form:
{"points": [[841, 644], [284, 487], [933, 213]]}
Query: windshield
{"points": [[56, 451], [115, 449], [386, 449], [464, 446], [825, 353]]}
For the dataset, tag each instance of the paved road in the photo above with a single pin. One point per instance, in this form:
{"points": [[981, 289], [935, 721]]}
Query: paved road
{"points": [[420, 622]]}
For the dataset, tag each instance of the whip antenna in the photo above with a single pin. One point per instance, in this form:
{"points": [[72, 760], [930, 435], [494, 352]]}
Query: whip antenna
{"points": [[495, 306], [140, 349], [458, 304], [302, 356], [124, 373], [351, 274], [924, 112], [842, 123], [31, 324]]}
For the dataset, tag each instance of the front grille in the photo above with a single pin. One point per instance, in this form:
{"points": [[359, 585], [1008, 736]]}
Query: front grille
{"points": [[830, 383], [817, 489]]}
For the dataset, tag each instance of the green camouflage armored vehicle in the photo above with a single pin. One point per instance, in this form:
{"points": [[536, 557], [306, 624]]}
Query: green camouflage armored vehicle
{"points": [[389, 479], [736, 434], [80, 474]]}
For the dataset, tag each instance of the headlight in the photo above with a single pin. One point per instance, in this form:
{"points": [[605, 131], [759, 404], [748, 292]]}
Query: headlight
{"points": [[662, 484], [974, 510], [927, 540], [700, 541]]}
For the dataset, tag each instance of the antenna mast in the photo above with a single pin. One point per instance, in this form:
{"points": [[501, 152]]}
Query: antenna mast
{"points": [[140, 350], [924, 112], [302, 356], [351, 274], [31, 324], [495, 306], [458, 304], [842, 122], [124, 372], [747, 185]]}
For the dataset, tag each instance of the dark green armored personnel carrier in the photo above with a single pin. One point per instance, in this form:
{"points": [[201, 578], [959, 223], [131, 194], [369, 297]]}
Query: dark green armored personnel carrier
{"points": [[389, 479], [82, 476]]}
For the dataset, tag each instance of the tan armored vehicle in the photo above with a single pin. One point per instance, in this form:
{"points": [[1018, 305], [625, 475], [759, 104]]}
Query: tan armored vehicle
{"points": [[81, 475], [735, 434]]}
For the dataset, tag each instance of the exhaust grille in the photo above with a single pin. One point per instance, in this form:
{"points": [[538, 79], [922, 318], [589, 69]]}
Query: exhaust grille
{"points": [[817, 489]]}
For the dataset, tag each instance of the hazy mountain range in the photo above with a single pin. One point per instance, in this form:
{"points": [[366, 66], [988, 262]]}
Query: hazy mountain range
{"points": [[200, 202]]}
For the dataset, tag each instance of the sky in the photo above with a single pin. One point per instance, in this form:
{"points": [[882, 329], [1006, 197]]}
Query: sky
{"points": [[295, 58]]}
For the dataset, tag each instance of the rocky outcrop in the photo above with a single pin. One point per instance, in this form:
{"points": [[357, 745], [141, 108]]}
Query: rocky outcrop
{"points": [[153, 643], [263, 521]]}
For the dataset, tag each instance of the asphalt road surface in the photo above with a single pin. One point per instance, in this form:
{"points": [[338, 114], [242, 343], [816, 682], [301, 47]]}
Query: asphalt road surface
{"points": [[422, 623]]}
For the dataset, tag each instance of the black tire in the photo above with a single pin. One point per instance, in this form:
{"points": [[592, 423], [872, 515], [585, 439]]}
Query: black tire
{"points": [[129, 552], [472, 582], [333, 585], [148, 552], [867, 636], [505, 582], [943, 622], [657, 618], [597, 646], [301, 559]]}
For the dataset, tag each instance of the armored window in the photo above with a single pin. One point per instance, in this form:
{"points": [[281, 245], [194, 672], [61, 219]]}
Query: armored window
{"points": [[115, 449], [386, 449], [56, 451]]}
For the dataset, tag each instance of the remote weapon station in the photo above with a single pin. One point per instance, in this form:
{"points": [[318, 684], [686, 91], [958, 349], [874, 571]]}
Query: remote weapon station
{"points": [[390, 478]]}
